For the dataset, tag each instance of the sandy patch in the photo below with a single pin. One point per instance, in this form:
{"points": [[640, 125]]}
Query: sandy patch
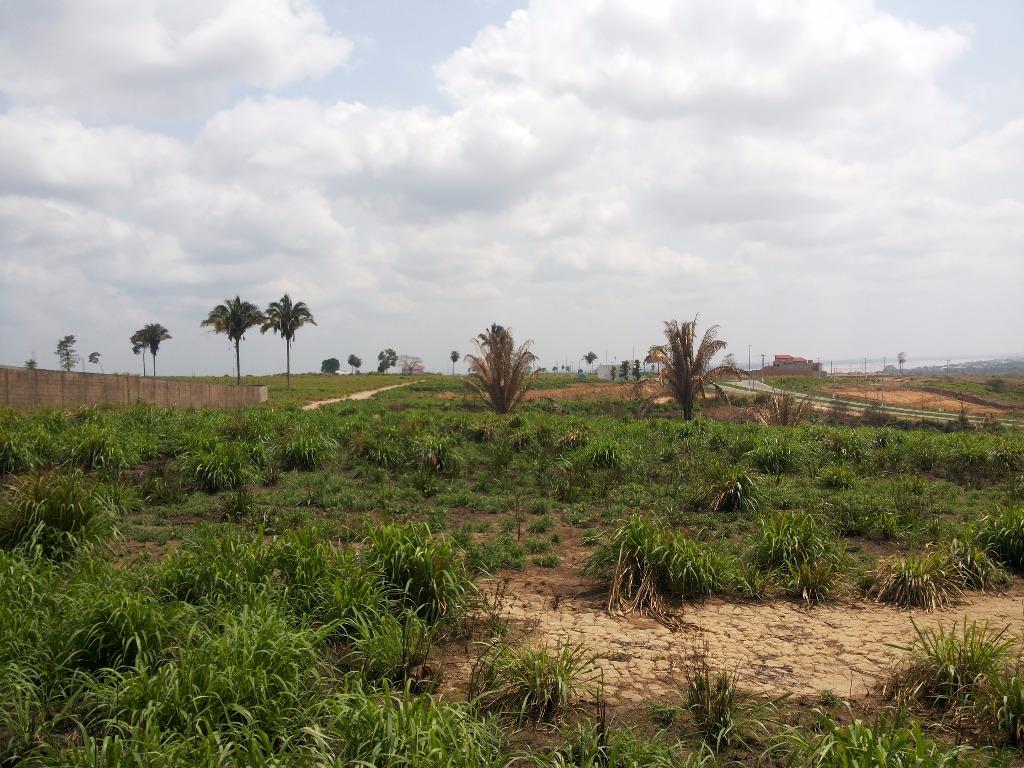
{"points": [[774, 647], [911, 398]]}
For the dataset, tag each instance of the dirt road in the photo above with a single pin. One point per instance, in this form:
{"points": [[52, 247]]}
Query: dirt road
{"points": [[364, 395]]}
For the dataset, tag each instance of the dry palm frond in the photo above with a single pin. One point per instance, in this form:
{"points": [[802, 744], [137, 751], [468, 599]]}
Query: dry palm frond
{"points": [[644, 394], [783, 410], [500, 370], [686, 367]]}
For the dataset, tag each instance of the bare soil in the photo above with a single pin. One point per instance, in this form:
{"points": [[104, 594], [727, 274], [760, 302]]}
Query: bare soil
{"points": [[775, 648], [913, 397]]}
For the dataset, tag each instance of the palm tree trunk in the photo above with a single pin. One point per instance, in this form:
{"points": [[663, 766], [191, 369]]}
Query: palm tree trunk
{"points": [[288, 362], [154, 365], [238, 364], [143, 364]]}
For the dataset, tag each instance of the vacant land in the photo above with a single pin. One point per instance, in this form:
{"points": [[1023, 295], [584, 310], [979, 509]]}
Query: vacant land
{"points": [[1001, 396], [307, 387], [410, 580]]}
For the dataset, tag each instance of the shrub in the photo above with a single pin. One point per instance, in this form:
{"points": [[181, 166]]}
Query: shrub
{"points": [[533, 685], [731, 489], [307, 449], [917, 581], [436, 454], [776, 456], [946, 668], [789, 538], [18, 453], [55, 516], [837, 476], [974, 568], [643, 562], [885, 743], [251, 672], [389, 647], [92, 447], [224, 467], [813, 582], [215, 565], [999, 707], [109, 622], [1003, 534], [493, 555], [426, 573]]}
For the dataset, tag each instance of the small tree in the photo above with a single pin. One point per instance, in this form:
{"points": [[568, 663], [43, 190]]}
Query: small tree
{"points": [[330, 365], [901, 358], [31, 363], [454, 357], [590, 357], [614, 372], [67, 355], [686, 368], [500, 369], [624, 370], [386, 359], [94, 359], [139, 349], [355, 362], [636, 370]]}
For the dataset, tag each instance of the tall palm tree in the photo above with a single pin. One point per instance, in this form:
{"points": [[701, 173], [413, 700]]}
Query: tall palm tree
{"points": [[285, 318], [149, 337], [454, 357], [686, 368], [499, 372], [234, 317]]}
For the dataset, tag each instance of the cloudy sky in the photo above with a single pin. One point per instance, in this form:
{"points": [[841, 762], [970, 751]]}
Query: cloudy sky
{"points": [[830, 178]]}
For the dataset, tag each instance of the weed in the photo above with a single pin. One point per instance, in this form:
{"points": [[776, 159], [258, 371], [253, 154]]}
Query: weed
{"points": [[917, 581]]}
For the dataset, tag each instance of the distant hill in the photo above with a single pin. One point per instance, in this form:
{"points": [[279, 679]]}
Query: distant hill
{"points": [[1007, 366]]}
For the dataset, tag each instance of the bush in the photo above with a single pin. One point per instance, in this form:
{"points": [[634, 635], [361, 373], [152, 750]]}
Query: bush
{"points": [[426, 573], [643, 562], [251, 672], [533, 685], [307, 449], [974, 568], [776, 456], [886, 743], [789, 538], [215, 565], [55, 516], [837, 476], [1003, 535], [436, 454], [18, 452], [93, 447], [730, 489], [917, 581], [945, 669], [223, 467]]}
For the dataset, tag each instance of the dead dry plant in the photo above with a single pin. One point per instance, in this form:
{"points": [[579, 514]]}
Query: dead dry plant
{"points": [[782, 409], [500, 371]]}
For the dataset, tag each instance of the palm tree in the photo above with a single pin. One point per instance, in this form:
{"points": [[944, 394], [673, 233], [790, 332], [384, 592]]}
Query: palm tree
{"points": [[234, 317], [500, 369], [901, 358], [355, 362], [139, 348], [590, 357], [454, 357], [149, 337], [285, 318], [686, 367], [94, 359]]}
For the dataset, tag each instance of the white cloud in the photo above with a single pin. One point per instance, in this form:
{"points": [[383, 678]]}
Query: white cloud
{"points": [[603, 166]]}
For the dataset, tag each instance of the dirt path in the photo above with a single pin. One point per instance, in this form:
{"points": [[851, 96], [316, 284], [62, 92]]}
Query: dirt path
{"points": [[366, 394], [774, 647]]}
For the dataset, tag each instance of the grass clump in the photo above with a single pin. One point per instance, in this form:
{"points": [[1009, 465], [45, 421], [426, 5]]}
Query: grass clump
{"points": [[224, 466], [534, 684], [427, 574], [886, 743], [306, 449], [975, 569], [928, 581], [56, 516], [644, 562], [1003, 534], [730, 489], [946, 668]]}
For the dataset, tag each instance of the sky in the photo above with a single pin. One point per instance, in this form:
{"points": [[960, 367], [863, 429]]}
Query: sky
{"points": [[827, 178]]}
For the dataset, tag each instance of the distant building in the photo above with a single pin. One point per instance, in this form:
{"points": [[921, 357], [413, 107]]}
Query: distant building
{"points": [[792, 365]]}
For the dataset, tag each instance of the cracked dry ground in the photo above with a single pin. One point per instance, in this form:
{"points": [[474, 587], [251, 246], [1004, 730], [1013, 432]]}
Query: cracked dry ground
{"points": [[776, 647]]}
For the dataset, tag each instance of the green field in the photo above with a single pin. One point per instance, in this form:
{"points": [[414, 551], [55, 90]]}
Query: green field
{"points": [[308, 387], [277, 587]]}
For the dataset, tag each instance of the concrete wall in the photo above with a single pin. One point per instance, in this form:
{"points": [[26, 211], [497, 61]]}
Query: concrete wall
{"points": [[23, 388]]}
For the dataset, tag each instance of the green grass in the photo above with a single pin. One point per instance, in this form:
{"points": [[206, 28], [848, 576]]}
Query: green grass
{"points": [[309, 387]]}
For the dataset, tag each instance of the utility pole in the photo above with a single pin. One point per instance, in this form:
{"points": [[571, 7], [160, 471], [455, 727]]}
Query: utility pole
{"points": [[749, 367], [762, 367]]}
